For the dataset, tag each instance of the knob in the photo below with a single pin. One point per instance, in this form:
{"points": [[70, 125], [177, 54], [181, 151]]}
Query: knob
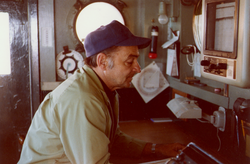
{"points": [[221, 66], [205, 62], [212, 66]]}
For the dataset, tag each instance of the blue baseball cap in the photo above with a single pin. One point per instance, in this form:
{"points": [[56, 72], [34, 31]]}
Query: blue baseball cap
{"points": [[112, 34]]}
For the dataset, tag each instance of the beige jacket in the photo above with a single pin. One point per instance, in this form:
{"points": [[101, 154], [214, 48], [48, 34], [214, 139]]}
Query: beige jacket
{"points": [[73, 125]]}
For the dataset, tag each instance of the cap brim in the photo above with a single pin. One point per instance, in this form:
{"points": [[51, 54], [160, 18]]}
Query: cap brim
{"points": [[135, 41]]}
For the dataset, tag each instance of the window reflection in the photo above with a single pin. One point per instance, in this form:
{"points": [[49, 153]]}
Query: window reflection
{"points": [[5, 67]]}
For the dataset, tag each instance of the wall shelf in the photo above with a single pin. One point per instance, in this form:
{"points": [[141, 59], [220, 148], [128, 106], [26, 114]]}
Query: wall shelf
{"points": [[49, 86], [206, 93]]}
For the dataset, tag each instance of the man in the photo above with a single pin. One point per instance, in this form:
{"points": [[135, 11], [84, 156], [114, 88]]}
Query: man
{"points": [[78, 121]]}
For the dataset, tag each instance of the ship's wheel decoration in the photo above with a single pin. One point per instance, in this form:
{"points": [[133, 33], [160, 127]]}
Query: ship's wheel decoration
{"points": [[68, 61]]}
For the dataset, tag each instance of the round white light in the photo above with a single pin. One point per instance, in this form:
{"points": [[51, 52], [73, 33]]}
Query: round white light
{"points": [[163, 19]]}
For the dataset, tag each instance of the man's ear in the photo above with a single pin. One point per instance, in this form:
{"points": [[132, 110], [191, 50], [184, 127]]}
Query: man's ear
{"points": [[101, 61]]}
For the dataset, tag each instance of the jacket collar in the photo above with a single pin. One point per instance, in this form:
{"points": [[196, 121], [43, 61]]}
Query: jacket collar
{"points": [[100, 84]]}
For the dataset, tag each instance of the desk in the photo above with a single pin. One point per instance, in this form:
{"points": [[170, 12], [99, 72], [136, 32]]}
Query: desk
{"points": [[167, 132], [160, 132]]}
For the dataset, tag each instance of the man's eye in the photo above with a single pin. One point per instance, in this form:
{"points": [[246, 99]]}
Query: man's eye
{"points": [[129, 62]]}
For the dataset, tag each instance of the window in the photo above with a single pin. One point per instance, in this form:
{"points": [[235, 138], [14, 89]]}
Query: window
{"points": [[93, 16], [5, 67]]}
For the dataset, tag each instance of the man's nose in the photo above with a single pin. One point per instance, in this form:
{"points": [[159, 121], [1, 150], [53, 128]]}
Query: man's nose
{"points": [[137, 67]]}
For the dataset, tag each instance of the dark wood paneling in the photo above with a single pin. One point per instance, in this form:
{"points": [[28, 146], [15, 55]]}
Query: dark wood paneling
{"points": [[16, 97]]}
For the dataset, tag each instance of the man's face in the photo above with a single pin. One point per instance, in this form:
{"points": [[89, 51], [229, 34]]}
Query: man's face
{"points": [[125, 66]]}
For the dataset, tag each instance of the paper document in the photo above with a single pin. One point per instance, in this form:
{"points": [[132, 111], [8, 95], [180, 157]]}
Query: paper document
{"points": [[197, 65], [153, 81], [172, 65], [171, 41], [150, 82], [224, 27]]}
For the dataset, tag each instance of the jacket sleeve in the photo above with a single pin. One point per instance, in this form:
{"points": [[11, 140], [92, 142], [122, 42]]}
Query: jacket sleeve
{"points": [[127, 146]]}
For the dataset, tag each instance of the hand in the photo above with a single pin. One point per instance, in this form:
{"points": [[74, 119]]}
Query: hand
{"points": [[168, 150]]}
